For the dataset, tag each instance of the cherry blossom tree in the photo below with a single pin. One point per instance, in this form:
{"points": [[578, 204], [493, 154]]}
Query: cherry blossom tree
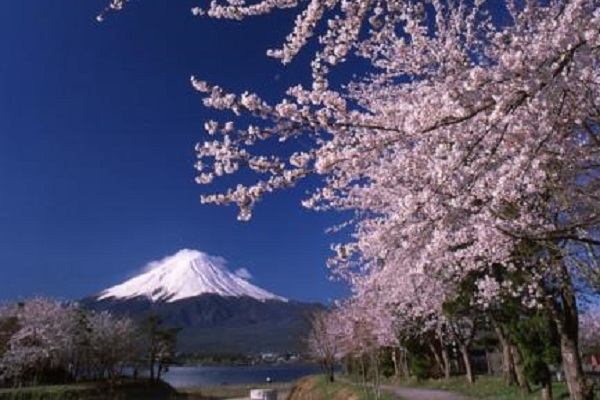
{"points": [[324, 340], [40, 342], [413, 309], [113, 344], [9, 325], [42, 339], [364, 335], [472, 140]]}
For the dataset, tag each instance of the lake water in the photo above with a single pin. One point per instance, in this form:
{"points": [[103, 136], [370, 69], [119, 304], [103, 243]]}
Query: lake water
{"points": [[193, 376]]}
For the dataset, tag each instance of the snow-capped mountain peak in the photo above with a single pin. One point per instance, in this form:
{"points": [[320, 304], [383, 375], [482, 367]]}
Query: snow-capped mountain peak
{"points": [[187, 273]]}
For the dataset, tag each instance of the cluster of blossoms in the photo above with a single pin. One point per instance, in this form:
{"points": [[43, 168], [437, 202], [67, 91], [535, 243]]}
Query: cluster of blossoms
{"points": [[39, 336], [473, 143], [470, 145], [454, 142]]}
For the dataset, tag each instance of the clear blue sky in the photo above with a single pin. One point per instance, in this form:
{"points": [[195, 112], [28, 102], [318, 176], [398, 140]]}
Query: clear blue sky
{"points": [[97, 128]]}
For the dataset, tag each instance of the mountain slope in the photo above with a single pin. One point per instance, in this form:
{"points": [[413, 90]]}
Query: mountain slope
{"points": [[214, 324], [188, 273], [216, 310]]}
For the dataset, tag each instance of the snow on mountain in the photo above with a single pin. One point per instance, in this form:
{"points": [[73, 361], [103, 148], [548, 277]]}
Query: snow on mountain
{"points": [[187, 273]]}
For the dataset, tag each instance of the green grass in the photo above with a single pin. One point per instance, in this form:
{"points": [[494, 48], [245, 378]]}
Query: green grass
{"points": [[123, 390], [486, 387], [48, 392], [129, 390]]}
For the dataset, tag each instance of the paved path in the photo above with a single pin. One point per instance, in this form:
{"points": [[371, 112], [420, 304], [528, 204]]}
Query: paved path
{"points": [[406, 393], [416, 393]]}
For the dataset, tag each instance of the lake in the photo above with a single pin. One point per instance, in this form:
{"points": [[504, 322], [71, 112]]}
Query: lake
{"points": [[193, 376]]}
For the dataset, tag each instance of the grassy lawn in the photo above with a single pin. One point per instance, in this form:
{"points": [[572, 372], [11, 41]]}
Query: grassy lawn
{"points": [[123, 390], [48, 392], [128, 390], [486, 387]]}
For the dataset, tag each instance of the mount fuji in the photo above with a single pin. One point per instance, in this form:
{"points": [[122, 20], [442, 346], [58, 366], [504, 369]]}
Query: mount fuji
{"points": [[217, 310], [188, 273]]}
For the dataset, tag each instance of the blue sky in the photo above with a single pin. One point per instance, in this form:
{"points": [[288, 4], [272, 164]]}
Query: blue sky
{"points": [[97, 128]]}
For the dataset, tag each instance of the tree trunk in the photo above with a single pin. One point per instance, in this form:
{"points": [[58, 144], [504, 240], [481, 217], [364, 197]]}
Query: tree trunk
{"points": [[467, 360], [547, 391], [160, 370], [395, 362], [363, 371], [565, 315], [488, 362], [404, 364], [152, 368], [375, 366], [546, 383], [573, 370], [446, 360], [508, 367], [436, 357], [328, 369], [519, 369]]}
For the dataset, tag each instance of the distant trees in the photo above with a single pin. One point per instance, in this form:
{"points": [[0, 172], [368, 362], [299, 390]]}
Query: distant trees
{"points": [[160, 343], [40, 344], [113, 343], [47, 341]]}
